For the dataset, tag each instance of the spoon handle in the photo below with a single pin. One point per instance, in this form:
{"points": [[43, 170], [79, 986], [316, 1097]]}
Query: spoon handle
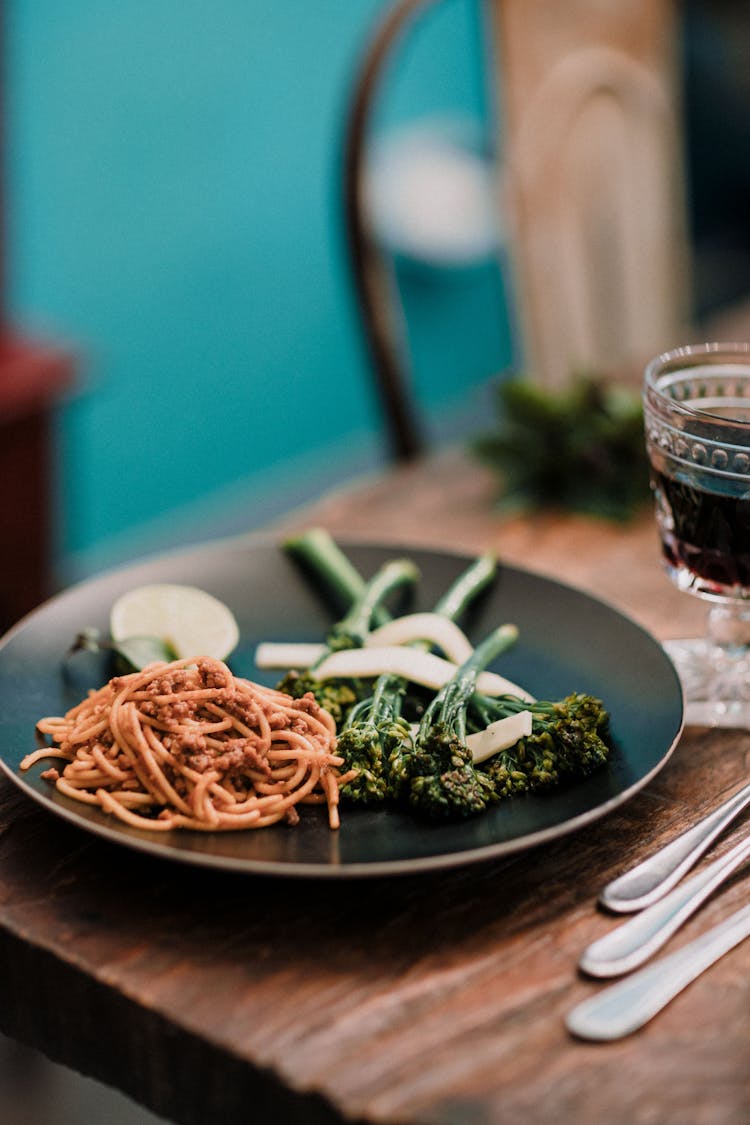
{"points": [[650, 880], [632, 943], [627, 1005]]}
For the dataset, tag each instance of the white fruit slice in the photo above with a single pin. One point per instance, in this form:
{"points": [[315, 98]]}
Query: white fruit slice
{"points": [[191, 621]]}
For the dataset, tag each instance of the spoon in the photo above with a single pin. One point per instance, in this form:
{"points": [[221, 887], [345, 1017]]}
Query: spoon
{"points": [[650, 880], [632, 943], [624, 1007]]}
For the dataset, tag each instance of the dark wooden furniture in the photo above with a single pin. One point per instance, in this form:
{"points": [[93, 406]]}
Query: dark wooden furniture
{"points": [[438, 999], [32, 378]]}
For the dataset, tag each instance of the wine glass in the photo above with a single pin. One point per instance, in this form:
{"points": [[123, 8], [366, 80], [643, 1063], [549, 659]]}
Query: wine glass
{"points": [[697, 419]]}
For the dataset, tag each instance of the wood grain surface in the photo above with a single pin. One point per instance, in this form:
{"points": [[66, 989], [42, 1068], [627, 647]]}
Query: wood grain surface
{"points": [[434, 999]]}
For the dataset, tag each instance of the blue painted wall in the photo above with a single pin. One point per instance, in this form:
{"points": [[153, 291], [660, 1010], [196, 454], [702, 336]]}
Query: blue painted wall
{"points": [[172, 186]]}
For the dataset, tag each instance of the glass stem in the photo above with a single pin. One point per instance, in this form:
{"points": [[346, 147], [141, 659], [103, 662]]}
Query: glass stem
{"points": [[728, 628]]}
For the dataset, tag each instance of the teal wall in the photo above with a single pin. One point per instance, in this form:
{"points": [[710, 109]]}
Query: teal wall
{"points": [[172, 185]]}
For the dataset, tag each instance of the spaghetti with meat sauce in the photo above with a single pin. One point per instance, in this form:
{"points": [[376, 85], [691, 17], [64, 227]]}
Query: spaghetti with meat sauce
{"points": [[187, 744]]}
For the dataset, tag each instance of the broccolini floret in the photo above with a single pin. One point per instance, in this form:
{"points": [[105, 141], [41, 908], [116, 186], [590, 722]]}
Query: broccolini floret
{"points": [[569, 738], [435, 775], [375, 732], [335, 696]]}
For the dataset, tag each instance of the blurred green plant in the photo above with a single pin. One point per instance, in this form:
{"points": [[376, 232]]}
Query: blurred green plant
{"points": [[578, 449]]}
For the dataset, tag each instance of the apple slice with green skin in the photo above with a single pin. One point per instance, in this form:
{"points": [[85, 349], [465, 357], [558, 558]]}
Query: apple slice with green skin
{"points": [[170, 621]]}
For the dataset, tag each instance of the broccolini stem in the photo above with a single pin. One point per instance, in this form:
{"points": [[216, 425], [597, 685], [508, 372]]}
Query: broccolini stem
{"points": [[461, 593], [384, 703], [491, 708], [485, 652], [358, 621], [387, 689], [387, 693], [317, 549], [467, 586], [449, 705]]}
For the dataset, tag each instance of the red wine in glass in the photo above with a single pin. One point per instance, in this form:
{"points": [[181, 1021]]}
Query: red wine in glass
{"points": [[696, 402], [704, 533]]}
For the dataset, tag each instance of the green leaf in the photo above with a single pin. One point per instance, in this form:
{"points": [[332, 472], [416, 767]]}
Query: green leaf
{"points": [[130, 654], [580, 449]]}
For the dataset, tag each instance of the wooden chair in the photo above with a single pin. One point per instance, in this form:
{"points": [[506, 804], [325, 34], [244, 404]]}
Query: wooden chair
{"points": [[592, 191]]}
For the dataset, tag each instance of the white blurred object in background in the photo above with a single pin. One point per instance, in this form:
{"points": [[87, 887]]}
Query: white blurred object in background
{"points": [[432, 195]]}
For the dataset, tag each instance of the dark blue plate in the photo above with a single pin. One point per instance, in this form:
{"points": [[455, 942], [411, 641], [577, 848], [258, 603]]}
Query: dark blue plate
{"points": [[568, 642]]}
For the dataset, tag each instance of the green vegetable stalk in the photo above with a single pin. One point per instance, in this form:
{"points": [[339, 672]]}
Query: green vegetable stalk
{"points": [[367, 599], [317, 551], [435, 775], [569, 738], [374, 731]]}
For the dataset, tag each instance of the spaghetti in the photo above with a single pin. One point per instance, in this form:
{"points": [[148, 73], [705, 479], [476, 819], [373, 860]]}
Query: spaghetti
{"points": [[188, 745]]}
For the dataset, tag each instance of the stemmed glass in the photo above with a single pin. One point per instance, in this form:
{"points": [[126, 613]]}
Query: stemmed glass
{"points": [[697, 419]]}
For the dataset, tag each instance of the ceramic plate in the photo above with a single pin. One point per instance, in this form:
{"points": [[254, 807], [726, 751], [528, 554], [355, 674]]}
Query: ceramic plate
{"points": [[568, 642]]}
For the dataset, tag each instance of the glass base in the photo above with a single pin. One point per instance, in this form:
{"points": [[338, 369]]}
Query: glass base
{"points": [[715, 680]]}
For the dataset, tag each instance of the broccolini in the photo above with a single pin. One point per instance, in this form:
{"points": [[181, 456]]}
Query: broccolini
{"points": [[319, 551], [569, 738], [435, 775], [375, 730], [432, 772]]}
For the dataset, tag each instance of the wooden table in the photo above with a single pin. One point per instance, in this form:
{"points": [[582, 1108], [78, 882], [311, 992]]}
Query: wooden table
{"points": [[439, 999]]}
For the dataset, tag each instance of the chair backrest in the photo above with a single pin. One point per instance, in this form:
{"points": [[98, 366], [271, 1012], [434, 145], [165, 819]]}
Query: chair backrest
{"points": [[590, 189], [594, 180]]}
